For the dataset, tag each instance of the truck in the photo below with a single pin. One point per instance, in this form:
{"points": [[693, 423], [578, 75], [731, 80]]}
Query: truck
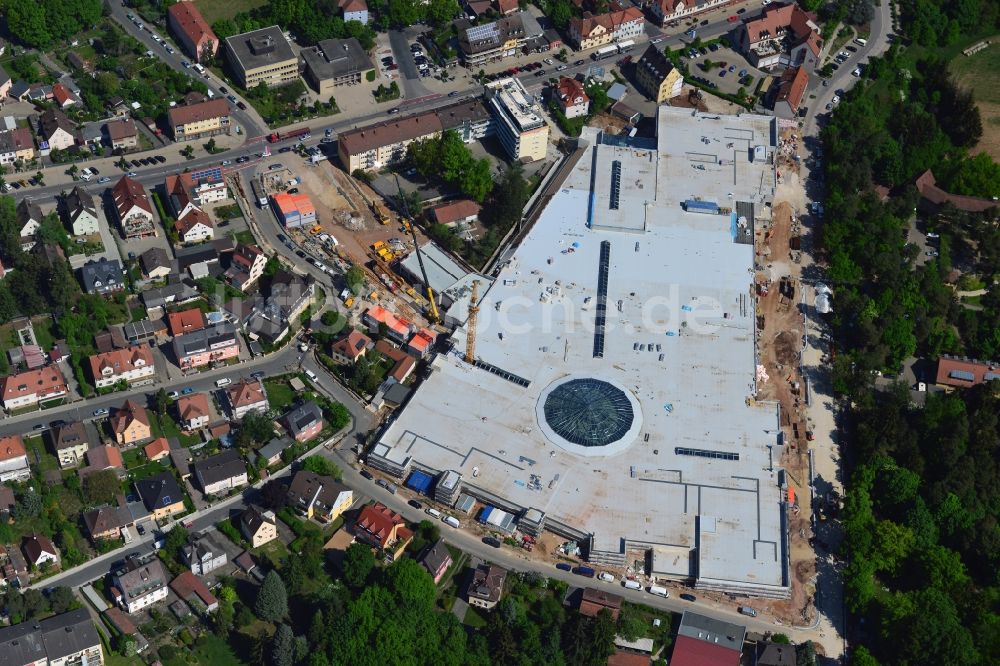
{"points": [[258, 192], [284, 136]]}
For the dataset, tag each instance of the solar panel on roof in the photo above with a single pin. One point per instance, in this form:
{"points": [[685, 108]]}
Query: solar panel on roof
{"points": [[964, 375], [483, 32], [602, 298], [616, 184], [990, 376], [702, 453]]}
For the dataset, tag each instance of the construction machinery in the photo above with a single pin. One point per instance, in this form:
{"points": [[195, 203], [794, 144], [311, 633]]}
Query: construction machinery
{"points": [[432, 312], [381, 213], [470, 329]]}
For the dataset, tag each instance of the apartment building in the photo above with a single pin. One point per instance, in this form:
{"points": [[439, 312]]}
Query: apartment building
{"points": [[186, 191], [517, 114], [259, 527], [81, 212], [195, 226], [379, 145], [590, 31], [28, 216], [571, 98], [784, 35], [131, 424], [132, 365], [192, 30], [16, 144], [139, 584], [133, 208], [122, 134], [199, 120], [320, 497], [354, 10], [203, 556], [67, 639], [246, 396], [246, 266], [103, 276], [13, 459], [788, 96], [657, 77], [261, 56], [304, 421], [26, 389], [208, 345], [161, 495], [55, 131], [480, 44], [70, 443], [664, 11], [193, 411]]}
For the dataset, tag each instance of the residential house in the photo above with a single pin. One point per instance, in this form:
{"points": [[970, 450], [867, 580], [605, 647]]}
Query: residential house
{"points": [[965, 372], [304, 421], [591, 31], [294, 210], [13, 459], [665, 11], [199, 120], [354, 10], [220, 473], [28, 388], [202, 556], [246, 266], [397, 328], [16, 144], [455, 213], [67, 639], [157, 449], [55, 131], [782, 36], [122, 134], [174, 292], [63, 96], [271, 452], [161, 495], [335, 62], [144, 331], [594, 601], [320, 497], [790, 91], [140, 584], [28, 216], [657, 77], [350, 347], [192, 30], [436, 559], [705, 640], [39, 550], [381, 527], [486, 586], [767, 653], [404, 364], [156, 263], [103, 457], [186, 191], [422, 343], [187, 321], [193, 411], [488, 42], [259, 527], [133, 365], [102, 277], [215, 344], [246, 396], [130, 424], [571, 98], [261, 56], [70, 442], [81, 212], [134, 210], [195, 227], [290, 296], [107, 522], [192, 589], [15, 567]]}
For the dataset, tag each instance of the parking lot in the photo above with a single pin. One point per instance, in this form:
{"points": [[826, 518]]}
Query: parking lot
{"points": [[728, 71]]}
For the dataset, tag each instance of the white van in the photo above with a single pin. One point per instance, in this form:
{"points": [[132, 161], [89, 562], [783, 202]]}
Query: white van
{"points": [[433, 513], [225, 381], [86, 175], [860, 42], [452, 520], [311, 375], [632, 584], [199, 68], [659, 591], [605, 576]]}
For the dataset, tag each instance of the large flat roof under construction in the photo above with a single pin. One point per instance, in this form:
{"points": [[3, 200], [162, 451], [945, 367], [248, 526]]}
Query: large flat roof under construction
{"points": [[641, 431]]}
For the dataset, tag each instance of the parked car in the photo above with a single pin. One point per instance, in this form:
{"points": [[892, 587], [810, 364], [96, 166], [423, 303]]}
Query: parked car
{"points": [[562, 566], [104, 179], [689, 597], [415, 504], [174, 395], [365, 473], [492, 541], [747, 610], [187, 391], [733, 19], [101, 412], [160, 158], [393, 112]]}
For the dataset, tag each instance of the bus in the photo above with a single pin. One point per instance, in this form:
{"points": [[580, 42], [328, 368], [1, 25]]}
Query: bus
{"points": [[626, 46], [605, 52]]}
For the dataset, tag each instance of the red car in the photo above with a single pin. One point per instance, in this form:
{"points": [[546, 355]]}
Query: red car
{"points": [[733, 19]]}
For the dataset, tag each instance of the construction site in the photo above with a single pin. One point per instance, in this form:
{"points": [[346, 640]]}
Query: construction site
{"points": [[611, 386]]}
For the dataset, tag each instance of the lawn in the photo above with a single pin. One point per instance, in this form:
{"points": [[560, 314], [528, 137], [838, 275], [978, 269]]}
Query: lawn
{"points": [[279, 394], [474, 618], [148, 470], [273, 551], [165, 426], [981, 73], [39, 456], [213, 651], [213, 10], [245, 236]]}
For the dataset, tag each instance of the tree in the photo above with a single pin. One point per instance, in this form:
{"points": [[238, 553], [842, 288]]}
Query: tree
{"points": [[440, 12], [101, 487], [272, 599], [358, 565], [127, 646], [405, 12], [188, 152], [322, 466], [28, 505], [210, 146], [476, 180], [283, 646], [177, 537], [255, 428], [26, 22], [61, 599], [355, 278], [274, 496], [162, 402]]}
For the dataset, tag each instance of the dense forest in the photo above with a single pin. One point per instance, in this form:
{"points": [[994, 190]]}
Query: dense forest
{"points": [[921, 533]]}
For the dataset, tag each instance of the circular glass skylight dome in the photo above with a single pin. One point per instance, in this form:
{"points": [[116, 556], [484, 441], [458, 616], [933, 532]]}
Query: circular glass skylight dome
{"points": [[589, 413]]}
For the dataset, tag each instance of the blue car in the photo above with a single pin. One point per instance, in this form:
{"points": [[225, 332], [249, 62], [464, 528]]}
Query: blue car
{"points": [[722, 73], [562, 566], [187, 391]]}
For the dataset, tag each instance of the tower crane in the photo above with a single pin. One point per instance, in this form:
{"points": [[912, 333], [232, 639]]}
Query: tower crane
{"points": [[433, 315], [470, 329]]}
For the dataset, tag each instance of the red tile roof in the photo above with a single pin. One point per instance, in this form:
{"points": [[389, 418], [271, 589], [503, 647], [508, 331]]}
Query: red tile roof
{"points": [[185, 321], [105, 456], [404, 362], [778, 18], [128, 193], [621, 658], [455, 211], [192, 113], [352, 344], [793, 86], [11, 447], [122, 128], [192, 406], [42, 382], [926, 185], [245, 393], [156, 449], [120, 360], [188, 585], [189, 221], [963, 372], [610, 21], [129, 412], [380, 522], [192, 23], [693, 652], [61, 94]]}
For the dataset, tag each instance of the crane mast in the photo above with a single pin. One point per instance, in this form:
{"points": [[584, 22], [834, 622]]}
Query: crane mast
{"points": [[470, 338]]}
